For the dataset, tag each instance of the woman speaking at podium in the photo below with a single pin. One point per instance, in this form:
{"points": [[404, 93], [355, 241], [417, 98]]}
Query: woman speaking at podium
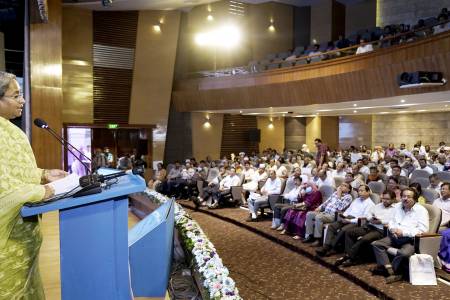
{"points": [[21, 181]]}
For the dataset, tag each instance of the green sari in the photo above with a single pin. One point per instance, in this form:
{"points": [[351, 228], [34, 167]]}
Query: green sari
{"points": [[20, 238]]}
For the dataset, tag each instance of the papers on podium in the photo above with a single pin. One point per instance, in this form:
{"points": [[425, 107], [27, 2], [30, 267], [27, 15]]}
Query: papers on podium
{"points": [[65, 184]]}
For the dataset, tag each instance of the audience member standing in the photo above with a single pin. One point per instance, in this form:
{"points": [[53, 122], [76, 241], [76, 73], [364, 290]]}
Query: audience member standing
{"points": [[322, 152]]}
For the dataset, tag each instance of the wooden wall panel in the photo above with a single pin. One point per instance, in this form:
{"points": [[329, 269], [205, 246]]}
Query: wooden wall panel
{"points": [[235, 134], [368, 76], [114, 39], [46, 85]]}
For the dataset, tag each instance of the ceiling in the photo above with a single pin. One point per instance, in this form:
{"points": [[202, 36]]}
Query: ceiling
{"points": [[417, 103], [174, 4]]}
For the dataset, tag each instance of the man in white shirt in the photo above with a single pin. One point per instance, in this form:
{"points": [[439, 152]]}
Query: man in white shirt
{"points": [[410, 218], [435, 183], [423, 166], [256, 199], [359, 208], [289, 199], [224, 193], [281, 170], [358, 237], [252, 186], [324, 179], [364, 48], [444, 204], [340, 170], [440, 163], [248, 171]]}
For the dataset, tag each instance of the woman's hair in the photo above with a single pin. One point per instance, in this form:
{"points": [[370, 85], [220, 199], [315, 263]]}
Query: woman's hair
{"points": [[416, 186], [5, 80]]}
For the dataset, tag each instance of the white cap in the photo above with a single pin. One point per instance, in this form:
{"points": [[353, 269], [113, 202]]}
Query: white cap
{"points": [[262, 166]]}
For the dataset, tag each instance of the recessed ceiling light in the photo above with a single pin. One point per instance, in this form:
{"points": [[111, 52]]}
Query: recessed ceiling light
{"points": [[240, 111], [324, 110], [402, 111], [403, 101], [421, 110], [355, 105], [446, 105], [283, 115], [355, 111], [383, 112]]}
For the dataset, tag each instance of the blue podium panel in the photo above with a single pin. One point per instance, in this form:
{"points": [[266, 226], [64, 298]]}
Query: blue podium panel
{"points": [[94, 251], [151, 246], [94, 241]]}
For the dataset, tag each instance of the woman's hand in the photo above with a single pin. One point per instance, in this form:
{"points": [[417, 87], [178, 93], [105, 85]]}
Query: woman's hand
{"points": [[49, 192], [53, 175]]}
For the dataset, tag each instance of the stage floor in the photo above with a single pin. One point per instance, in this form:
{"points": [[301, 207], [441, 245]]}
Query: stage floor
{"points": [[49, 255]]}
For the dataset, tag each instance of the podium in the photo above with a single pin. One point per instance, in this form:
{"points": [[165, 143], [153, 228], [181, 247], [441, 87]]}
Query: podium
{"points": [[94, 241]]}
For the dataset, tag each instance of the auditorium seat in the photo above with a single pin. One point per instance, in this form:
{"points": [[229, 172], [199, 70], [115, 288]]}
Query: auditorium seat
{"points": [[326, 191], [273, 66], [423, 181], [377, 187], [284, 55], [443, 176], [430, 195], [419, 173]]}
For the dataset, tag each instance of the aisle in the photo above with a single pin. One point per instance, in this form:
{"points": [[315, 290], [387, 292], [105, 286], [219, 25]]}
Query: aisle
{"points": [[265, 270]]}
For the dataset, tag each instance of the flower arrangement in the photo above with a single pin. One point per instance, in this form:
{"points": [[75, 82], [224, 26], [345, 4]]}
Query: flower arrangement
{"points": [[214, 274]]}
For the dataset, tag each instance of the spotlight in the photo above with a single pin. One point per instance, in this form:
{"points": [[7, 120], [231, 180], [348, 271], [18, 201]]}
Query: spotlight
{"points": [[270, 126], [157, 28], [272, 28], [207, 124], [210, 18]]}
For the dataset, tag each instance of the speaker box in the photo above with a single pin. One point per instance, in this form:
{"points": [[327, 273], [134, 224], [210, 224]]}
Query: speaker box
{"points": [[254, 135]]}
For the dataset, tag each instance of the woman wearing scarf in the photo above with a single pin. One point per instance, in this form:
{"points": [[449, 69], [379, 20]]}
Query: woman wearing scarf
{"points": [[294, 221], [20, 182]]}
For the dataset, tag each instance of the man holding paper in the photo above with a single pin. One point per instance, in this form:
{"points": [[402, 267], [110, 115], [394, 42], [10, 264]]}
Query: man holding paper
{"points": [[21, 181]]}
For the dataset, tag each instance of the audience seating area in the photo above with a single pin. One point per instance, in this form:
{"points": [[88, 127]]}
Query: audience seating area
{"points": [[390, 35], [267, 180]]}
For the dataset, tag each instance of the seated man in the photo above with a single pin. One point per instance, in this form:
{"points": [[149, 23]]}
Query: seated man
{"points": [[379, 215], [444, 204], [423, 166], [396, 173], [173, 179], [256, 199], [364, 48], [289, 199], [324, 179], [252, 186], [410, 219], [435, 183], [224, 192], [213, 186], [325, 213], [359, 208]]}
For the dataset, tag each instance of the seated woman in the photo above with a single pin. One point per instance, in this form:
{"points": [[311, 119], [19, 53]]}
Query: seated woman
{"points": [[294, 221], [418, 187]]}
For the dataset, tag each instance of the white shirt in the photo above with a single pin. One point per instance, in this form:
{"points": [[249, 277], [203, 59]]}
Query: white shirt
{"points": [[282, 171], [364, 170], [248, 174], [382, 213], [336, 173], [272, 186], [410, 222], [444, 205], [354, 156], [187, 173], [364, 49], [427, 168], [229, 181], [436, 188], [359, 209], [293, 194], [328, 181], [439, 167]]}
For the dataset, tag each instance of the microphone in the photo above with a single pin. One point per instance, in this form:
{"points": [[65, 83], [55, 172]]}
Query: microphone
{"points": [[42, 124], [98, 178]]}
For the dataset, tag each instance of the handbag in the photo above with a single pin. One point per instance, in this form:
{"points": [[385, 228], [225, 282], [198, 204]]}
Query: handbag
{"points": [[421, 270]]}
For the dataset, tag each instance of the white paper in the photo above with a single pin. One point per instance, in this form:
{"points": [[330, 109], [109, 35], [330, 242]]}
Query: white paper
{"points": [[65, 184]]}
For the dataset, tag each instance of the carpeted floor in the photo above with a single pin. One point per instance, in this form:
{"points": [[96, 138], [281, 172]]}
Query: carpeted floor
{"points": [[266, 256], [265, 270]]}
